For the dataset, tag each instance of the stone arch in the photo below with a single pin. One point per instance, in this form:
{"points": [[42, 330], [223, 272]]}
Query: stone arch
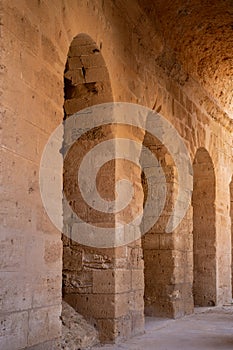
{"points": [[204, 230], [86, 77], [86, 83], [157, 244]]}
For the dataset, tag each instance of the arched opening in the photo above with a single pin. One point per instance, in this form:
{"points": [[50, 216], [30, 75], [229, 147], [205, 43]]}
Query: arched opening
{"points": [[86, 83], [86, 78], [204, 232], [158, 245], [231, 218]]}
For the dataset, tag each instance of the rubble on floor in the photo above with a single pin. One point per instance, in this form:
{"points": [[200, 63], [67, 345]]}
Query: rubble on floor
{"points": [[77, 333]]}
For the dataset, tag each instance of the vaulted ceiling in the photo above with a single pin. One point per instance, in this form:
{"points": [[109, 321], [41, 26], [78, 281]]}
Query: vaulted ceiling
{"points": [[199, 34]]}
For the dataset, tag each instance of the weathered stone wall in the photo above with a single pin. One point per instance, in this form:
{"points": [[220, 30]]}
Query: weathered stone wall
{"points": [[106, 285], [231, 223], [35, 40], [31, 248], [204, 234], [168, 256]]}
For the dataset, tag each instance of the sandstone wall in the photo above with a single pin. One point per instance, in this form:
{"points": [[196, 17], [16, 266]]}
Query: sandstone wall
{"points": [[35, 40]]}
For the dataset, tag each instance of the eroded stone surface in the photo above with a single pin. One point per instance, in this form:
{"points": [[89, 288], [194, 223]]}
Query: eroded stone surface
{"points": [[76, 332], [173, 58]]}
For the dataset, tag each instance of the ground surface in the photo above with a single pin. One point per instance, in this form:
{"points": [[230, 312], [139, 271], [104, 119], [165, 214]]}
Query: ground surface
{"points": [[207, 329]]}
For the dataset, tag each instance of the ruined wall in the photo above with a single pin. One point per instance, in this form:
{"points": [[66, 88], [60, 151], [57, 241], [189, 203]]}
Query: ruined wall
{"points": [[35, 39], [204, 234], [168, 279], [99, 283], [231, 223], [31, 248]]}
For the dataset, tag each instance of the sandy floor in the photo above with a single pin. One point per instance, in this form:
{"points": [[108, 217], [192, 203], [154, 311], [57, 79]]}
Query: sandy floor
{"points": [[207, 329]]}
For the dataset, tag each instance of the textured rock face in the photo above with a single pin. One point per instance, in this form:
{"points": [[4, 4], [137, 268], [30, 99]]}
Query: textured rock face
{"points": [[77, 334], [174, 59], [198, 36]]}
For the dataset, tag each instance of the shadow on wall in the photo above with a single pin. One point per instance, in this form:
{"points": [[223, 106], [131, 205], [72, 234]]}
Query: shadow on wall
{"points": [[86, 83], [231, 217], [204, 231]]}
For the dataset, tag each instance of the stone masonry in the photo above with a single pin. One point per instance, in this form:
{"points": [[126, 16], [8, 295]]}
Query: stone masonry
{"points": [[58, 57]]}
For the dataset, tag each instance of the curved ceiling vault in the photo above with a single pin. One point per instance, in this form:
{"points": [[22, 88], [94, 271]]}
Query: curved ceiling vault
{"points": [[199, 33]]}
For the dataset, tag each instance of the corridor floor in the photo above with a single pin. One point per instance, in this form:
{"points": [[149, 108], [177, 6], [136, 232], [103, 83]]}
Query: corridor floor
{"points": [[207, 329]]}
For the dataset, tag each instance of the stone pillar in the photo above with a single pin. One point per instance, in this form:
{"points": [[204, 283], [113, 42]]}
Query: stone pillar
{"points": [[224, 240], [204, 231], [102, 281], [231, 224]]}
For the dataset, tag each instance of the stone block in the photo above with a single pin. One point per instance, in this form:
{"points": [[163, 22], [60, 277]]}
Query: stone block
{"points": [[160, 308], [50, 84], [49, 52], [151, 241], [80, 281], [123, 328], [110, 281], [166, 241], [121, 304], [27, 32], [16, 292], [135, 257], [72, 259], [137, 280], [14, 330], [77, 50], [44, 324], [138, 323], [96, 74], [12, 250], [46, 289], [136, 300], [108, 332], [97, 306], [53, 252]]}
